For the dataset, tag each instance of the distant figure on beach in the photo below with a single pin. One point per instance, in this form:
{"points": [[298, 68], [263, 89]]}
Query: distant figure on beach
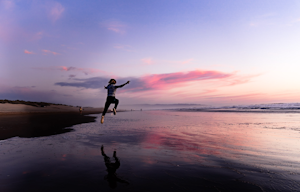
{"points": [[112, 177], [80, 110], [111, 91]]}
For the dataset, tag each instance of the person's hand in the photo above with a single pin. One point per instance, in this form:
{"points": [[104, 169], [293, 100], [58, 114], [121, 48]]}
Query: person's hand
{"points": [[105, 87], [128, 82]]}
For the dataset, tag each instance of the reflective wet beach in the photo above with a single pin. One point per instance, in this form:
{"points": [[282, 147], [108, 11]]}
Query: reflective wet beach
{"points": [[160, 151]]}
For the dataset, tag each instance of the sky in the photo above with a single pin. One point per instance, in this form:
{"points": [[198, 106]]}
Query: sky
{"points": [[194, 51]]}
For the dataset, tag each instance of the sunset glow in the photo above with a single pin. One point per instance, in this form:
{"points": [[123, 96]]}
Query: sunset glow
{"points": [[201, 52]]}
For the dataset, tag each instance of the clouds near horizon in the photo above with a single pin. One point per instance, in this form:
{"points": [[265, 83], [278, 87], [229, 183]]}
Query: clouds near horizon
{"points": [[151, 82], [86, 71], [28, 93]]}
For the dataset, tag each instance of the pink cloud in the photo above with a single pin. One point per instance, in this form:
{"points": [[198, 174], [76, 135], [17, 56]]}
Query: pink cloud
{"points": [[55, 11], [236, 80], [37, 35], [187, 61], [252, 24], [124, 47], [116, 27], [52, 52], [28, 52], [147, 61], [160, 81]]}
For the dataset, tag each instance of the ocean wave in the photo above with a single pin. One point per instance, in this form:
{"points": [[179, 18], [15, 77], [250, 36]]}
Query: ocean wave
{"points": [[273, 107]]}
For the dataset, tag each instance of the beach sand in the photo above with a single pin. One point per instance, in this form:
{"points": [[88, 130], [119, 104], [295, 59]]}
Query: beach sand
{"points": [[8, 108], [29, 121]]}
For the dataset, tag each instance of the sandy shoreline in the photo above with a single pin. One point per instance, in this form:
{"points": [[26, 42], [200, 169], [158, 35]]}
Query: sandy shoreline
{"points": [[29, 121], [8, 108]]}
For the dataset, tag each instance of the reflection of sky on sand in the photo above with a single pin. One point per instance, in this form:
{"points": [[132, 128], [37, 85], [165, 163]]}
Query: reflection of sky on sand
{"points": [[159, 150], [204, 134]]}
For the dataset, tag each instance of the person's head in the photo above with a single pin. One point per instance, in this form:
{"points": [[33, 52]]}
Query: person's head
{"points": [[112, 81]]}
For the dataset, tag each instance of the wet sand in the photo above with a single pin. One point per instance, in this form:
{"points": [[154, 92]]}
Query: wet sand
{"points": [[159, 151]]}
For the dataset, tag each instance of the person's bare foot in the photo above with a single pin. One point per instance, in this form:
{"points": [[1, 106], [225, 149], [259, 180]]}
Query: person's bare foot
{"points": [[102, 119], [115, 111]]}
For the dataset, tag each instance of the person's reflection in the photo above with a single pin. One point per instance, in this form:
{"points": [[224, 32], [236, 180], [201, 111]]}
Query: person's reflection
{"points": [[112, 177]]}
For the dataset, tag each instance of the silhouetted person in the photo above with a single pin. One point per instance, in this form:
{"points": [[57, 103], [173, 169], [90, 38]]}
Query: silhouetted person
{"points": [[112, 177], [111, 91]]}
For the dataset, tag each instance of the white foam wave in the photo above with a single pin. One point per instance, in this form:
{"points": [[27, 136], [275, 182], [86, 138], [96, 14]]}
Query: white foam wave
{"points": [[266, 106], [256, 107]]}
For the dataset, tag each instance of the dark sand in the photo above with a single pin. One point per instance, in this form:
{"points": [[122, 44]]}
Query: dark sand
{"points": [[40, 124]]}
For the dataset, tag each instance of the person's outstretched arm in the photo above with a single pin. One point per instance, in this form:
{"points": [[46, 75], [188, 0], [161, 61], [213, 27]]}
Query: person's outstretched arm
{"points": [[119, 86]]}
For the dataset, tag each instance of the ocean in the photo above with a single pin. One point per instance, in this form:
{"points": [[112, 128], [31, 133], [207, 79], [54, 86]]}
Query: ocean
{"points": [[180, 149]]}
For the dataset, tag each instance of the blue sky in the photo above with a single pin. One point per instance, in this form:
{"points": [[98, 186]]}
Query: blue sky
{"points": [[219, 52]]}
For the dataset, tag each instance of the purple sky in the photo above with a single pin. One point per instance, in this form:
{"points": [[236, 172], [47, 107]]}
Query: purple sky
{"points": [[208, 52]]}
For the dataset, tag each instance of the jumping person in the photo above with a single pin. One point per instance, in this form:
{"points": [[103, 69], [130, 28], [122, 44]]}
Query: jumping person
{"points": [[111, 91]]}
